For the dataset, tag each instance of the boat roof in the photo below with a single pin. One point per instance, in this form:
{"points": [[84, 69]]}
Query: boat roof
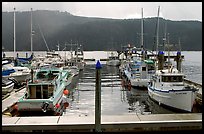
{"points": [[166, 72]]}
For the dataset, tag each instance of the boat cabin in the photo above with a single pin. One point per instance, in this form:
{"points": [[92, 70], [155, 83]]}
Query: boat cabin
{"points": [[172, 78], [47, 75], [40, 91]]}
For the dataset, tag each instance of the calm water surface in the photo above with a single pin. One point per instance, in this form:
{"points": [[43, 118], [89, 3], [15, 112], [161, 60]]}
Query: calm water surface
{"points": [[115, 99]]}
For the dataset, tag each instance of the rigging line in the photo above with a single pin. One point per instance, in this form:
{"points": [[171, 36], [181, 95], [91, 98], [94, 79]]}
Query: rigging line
{"points": [[43, 37]]}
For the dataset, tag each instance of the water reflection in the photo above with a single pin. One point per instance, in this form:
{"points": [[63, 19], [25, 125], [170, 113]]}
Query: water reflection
{"points": [[115, 98]]}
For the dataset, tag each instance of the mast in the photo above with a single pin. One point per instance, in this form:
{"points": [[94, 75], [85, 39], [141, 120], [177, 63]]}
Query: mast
{"points": [[71, 52], [168, 52], [58, 47], [31, 30], [157, 36], [142, 30], [14, 32], [165, 38]]}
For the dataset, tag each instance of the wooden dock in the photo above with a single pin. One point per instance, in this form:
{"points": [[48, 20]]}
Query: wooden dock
{"points": [[109, 123]]}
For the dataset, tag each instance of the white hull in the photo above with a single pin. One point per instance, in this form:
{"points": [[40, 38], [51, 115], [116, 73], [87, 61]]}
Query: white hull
{"points": [[113, 62], [139, 82], [182, 99], [81, 66], [8, 88], [136, 82], [20, 77]]}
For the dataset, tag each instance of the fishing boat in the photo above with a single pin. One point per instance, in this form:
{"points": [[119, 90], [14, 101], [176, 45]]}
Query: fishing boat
{"points": [[139, 68], [138, 73], [73, 69], [78, 57], [46, 91], [167, 88], [167, 85], [113, 59]]}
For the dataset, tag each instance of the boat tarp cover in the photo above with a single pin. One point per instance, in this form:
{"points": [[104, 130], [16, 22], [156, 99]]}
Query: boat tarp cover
{"points": [[25, 59]]}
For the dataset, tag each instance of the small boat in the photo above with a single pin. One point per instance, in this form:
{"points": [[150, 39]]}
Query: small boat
{"points": [[79, 58], [20, 74], [73, 69], [7, 86], [24, 62], [113, 59], [46, 91]]}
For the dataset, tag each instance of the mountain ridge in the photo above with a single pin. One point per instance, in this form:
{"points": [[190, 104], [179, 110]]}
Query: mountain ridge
{"points": [[94, 33]]}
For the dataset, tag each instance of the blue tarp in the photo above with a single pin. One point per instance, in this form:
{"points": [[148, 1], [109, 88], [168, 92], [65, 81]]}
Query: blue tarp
{"points": [[25, 59], [7, 72]]}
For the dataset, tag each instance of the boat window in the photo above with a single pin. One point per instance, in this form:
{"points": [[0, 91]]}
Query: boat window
{"points": [[55, 72], [172, 78], [32, 92], [38, 92], [45, 91], [50, 90], [51, 76], [143, 68], [41, 75]]}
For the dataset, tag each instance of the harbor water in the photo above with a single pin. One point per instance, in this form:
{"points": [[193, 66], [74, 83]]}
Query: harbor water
{"points": [[116, 99]]}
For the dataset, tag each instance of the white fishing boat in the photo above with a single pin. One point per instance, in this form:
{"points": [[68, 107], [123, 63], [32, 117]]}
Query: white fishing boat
{"points": [[138, 73], [167, 84], [138, 69], [78, 57], [113, 59], [167, 88]]}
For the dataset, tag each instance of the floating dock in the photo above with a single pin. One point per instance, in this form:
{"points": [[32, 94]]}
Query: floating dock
{"points": [[111, 123]]}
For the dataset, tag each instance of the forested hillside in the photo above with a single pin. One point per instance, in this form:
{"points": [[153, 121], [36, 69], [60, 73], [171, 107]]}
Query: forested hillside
{"points": [[93, 33]]}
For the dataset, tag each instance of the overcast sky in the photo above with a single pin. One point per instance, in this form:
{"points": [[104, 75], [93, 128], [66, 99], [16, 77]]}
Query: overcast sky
{"points": [[116, 10]]}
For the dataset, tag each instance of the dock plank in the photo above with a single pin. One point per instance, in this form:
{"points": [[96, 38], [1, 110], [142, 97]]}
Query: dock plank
{"points": [[13, 98], [108, 123], [10, 120], [46, 120]]}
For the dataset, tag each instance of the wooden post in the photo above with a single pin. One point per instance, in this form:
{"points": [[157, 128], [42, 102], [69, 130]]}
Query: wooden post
{"points": [[98, 98]]}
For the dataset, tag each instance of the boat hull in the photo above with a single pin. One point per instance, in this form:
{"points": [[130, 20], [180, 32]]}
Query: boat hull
{"points": [[113, 62], [42, 105], [136, 82], [177, 99], [139, 82], [8, 88], [33, 105], [19, 77]]}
